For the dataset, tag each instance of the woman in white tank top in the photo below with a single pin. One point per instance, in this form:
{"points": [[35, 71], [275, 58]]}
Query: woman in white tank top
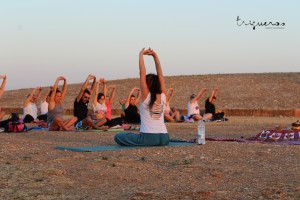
{"points": [[153, 131], [193, 107], [30, 108]]}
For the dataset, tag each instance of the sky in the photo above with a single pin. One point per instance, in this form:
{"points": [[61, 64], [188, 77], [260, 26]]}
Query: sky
{"points": [[43, 39]]}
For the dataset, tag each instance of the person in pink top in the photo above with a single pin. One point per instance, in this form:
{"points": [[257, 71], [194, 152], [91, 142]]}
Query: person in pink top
{"points": [[111, 91]]}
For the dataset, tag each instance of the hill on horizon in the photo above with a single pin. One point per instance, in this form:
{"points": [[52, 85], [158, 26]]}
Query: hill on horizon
{"points": [[275, 91]]}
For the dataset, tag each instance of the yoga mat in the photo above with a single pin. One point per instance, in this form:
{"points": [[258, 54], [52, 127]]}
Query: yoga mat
{"points": [[38, 129], [116, 147]]}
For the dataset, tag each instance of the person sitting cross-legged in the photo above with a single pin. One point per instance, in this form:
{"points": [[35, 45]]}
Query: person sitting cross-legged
{"points": [[81, 102], [194, 109], [171, 114], [132, 115], [55, 117], [210, 107], [30, 108], [153, 131]]}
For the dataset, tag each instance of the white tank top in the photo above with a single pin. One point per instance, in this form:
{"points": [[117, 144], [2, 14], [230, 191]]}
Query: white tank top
{"points": [[100, 108], [30, 109], [152, 121], [193, 108], [44, 107]]}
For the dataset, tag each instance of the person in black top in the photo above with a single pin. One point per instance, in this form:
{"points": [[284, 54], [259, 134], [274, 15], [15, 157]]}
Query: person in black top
{"points": [[82, 100], [210, 107], [131, 110]]}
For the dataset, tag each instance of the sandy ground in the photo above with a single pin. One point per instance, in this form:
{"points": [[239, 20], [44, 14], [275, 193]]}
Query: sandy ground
{"points": [[31, 167]]}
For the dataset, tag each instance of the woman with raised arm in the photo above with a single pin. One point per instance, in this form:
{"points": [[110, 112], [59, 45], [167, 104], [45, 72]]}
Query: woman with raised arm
{"points": [[44, 105], [98, 118], [194, 109], [153, 131], [210, 107], [30, 108], [171, 114], [2, 88], [109, 100], [56, 109], [102, 103], [132, 115]]}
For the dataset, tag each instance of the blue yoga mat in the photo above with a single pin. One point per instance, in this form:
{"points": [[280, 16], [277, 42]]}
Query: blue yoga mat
{"points": [[116, 147]]}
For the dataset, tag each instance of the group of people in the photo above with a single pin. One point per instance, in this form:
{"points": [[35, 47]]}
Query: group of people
{"points": [[154, 109]]}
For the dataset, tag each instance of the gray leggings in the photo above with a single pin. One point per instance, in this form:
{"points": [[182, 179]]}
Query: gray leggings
{"points": [[142, 139]]}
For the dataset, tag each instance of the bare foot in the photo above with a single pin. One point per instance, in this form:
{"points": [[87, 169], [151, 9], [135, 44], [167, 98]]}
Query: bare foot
{"points": [[104, 127], [71, 128]]}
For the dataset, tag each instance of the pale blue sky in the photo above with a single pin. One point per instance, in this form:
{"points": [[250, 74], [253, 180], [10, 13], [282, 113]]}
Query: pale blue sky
{"points": [[42, 39]]}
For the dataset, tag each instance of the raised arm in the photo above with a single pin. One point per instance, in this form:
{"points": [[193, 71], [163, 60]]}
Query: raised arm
{"points": [[216, 92], [84, 86], [170, 94], [93, 86], [129, 96], [30, 97], [200, 94], [159, 71], [3, 84], [143, 83], [112, 93], [64, 88], [213, 94], [47, 94], [138, 96], [38, 96], [95, 100], [103, 81], [53, 94]]}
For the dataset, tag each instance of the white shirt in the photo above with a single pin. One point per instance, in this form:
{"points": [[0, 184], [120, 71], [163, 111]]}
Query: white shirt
{"points": [[44, 107], [30, 109], [193, 108], [100, 108], [152, 121]]}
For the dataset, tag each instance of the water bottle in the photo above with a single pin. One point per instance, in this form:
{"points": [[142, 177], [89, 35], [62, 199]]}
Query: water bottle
{"points": [[201, 132]]}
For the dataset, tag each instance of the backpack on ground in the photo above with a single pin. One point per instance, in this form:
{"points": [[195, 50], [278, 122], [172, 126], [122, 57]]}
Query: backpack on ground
{"points": [[15, 125]]}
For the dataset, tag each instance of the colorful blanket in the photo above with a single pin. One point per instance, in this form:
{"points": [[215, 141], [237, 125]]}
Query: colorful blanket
{"points": [[277, 136], [290, 137]]}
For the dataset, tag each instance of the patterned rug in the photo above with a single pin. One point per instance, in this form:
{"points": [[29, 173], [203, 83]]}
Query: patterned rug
{"points": [[289, 137]]}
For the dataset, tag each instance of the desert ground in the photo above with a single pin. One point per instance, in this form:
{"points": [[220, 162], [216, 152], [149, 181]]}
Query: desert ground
{"points": [[31, 167]]}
